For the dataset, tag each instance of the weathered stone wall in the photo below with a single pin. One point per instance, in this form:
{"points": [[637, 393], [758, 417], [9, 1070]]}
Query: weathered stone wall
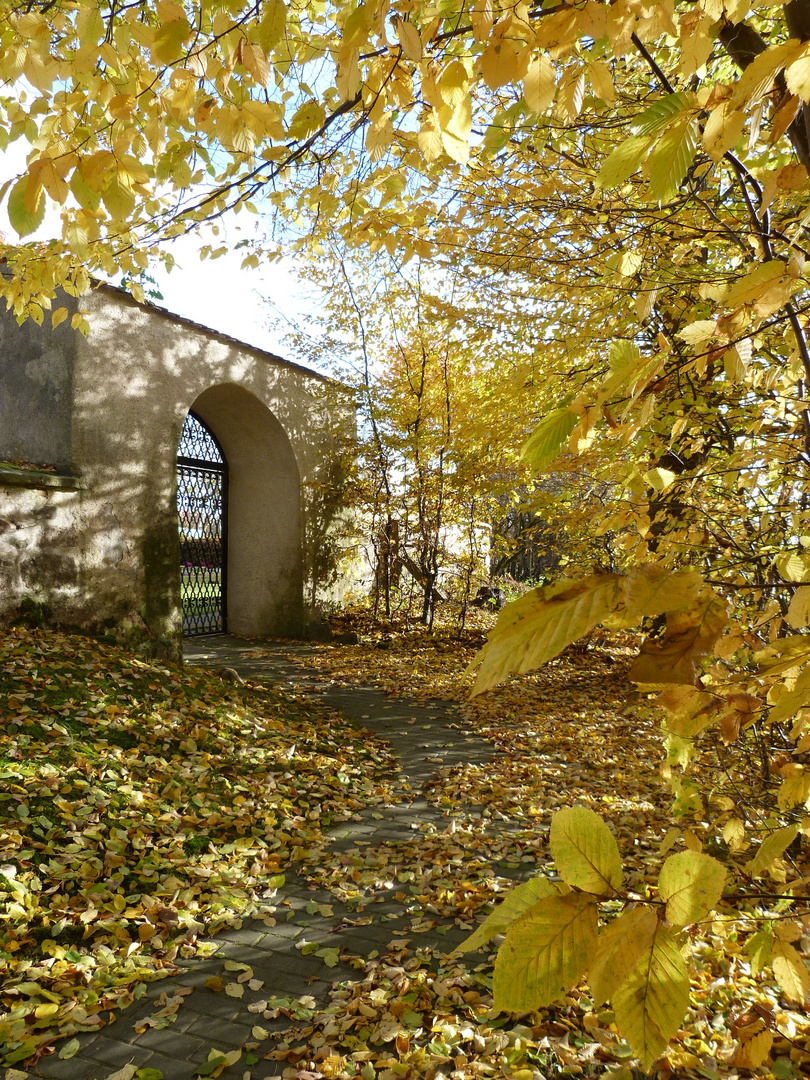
{"points": [[36, 394], [107, 554]]}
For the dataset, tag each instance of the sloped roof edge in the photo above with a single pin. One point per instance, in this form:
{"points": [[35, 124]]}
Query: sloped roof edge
{"points": [[118, 290]]}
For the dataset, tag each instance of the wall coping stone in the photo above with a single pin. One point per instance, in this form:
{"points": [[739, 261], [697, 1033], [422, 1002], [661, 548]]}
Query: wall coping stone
{"points": [[36, 478]]}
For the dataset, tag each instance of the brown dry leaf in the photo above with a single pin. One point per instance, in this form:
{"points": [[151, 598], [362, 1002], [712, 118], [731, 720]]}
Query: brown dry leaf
{"points": [[689, 639]]}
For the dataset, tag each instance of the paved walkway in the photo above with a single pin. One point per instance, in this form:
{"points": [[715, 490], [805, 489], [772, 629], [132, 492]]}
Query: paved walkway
{"points": [[423, 743]]}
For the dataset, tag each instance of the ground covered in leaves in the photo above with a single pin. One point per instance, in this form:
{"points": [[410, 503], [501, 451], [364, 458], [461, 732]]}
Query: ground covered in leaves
{"points": [[144, 806], [577, 733]]}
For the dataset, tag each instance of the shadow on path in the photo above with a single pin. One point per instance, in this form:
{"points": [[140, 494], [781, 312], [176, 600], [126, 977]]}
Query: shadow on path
{"points": [[281, 952]]}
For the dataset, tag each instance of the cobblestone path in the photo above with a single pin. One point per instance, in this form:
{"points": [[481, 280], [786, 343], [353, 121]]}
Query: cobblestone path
{"points": [[423, 743]]}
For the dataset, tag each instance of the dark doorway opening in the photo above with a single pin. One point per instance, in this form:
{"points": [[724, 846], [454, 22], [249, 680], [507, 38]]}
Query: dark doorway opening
{"points": [[202, 513]]}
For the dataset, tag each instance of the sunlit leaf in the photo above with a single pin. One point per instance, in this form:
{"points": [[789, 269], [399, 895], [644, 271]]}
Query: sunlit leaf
{"points": [[545, 952], [585, 850]]}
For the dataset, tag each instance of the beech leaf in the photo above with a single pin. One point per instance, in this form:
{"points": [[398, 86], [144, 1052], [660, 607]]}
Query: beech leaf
{"points": [[692, 884], [511, 908], [585, 851], [651, 1003], [545, 952]]}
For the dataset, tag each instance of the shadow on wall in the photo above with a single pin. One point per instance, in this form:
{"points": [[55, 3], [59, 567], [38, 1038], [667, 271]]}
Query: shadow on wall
{"points": [[284, 430]]}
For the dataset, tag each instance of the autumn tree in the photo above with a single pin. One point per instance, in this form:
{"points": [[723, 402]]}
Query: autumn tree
{"points": [[626, 185]]}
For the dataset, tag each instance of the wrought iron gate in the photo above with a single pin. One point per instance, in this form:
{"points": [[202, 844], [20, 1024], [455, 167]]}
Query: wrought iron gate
{"points": [[202, 504]]}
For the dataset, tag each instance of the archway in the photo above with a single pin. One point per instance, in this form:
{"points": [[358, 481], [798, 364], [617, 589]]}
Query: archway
{"points": [[202, 513], [264, 580]]}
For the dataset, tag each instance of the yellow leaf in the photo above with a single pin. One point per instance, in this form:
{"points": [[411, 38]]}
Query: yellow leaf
{"points": [[750, 287], [660, 479], [772, 848], [797, 75], [723, 129], [499, 63], [409, 39], [601, 81], [734, 833], [453, 84], [794, 790], [753, 1052], [652, 1002], [540, 624], [348, 71], [620, 947], [622, 162], [760, 75], [692, 884], [58, 316], [481, 17], [429, 140], [789, 701], [585, 850], [698, 332], [538, 84], [570, 95], [255, 62], [308, 118], [652, 588], [545, 952], [518, 901], [790, 971]]}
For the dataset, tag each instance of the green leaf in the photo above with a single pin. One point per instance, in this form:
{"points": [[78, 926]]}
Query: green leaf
{"points": [[759, 949], [692, 884], [652, 1002], [620, 947], [22, 221], [540, 624], [673, 154], [513, 906], [69, 1050], [585, 851], [620, 165], [663, 112], [216, 1061], [548, 438], [772, 848], [545, 952]]}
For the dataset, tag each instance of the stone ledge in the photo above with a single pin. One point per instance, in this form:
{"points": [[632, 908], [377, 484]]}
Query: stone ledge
{"points": [[34, 478]]}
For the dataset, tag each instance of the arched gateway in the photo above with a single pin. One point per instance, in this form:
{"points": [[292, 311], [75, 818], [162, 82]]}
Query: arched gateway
{"points": [[106, 537]]}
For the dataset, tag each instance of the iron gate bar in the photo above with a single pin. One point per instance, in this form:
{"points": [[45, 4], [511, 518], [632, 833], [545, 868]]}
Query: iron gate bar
{"points": [[202, 506]]}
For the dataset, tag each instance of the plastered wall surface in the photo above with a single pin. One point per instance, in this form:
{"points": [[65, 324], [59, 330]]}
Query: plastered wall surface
{"points": [[107, 554]]}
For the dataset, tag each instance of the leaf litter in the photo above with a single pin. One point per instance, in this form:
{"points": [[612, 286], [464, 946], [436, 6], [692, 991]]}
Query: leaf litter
{"points": [[574, 734], [144, 806]]}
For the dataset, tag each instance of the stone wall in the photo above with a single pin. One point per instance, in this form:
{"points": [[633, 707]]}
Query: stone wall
{"points": [[106, 554]]}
